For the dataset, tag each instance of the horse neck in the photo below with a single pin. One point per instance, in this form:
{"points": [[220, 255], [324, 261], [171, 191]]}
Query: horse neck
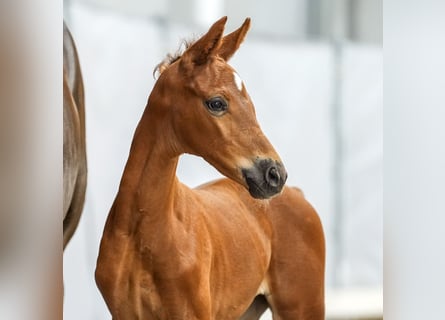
{"points": [[149, 181]]}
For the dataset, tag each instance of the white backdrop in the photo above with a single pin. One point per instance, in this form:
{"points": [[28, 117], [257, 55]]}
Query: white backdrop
{"points": [[292, 85]]}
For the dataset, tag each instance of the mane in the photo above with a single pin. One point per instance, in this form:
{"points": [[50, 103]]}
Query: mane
{"points": [[170, 58]]}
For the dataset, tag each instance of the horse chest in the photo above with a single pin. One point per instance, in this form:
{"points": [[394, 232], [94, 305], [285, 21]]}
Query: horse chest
{"points": [[204, 260]]}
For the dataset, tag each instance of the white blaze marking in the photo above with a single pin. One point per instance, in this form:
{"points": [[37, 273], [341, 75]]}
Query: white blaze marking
{"points": [[238, 81]]}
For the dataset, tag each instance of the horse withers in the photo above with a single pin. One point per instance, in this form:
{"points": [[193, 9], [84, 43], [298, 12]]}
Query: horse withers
{"points": [[230, 248]]}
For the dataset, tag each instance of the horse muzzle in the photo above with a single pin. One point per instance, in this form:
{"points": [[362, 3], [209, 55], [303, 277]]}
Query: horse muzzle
{"points": [[265, 178]]}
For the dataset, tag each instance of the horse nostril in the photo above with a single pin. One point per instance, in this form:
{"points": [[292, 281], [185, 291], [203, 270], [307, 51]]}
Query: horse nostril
{"points": [[272, 176]]}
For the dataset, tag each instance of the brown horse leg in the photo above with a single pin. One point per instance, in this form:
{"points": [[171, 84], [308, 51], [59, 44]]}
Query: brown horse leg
{"points": [[309, 314], [311, 307], [296, 272], [256, 309], [74, 212]]}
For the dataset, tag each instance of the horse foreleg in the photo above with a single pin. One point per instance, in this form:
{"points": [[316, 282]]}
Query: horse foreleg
{"points": [[296, 271]]}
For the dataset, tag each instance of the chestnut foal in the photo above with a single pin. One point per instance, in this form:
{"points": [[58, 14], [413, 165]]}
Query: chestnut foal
{"points": [[219, 251]]}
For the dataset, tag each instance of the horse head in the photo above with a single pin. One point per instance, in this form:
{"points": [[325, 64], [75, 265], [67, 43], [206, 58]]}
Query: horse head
{"points": [[210, 113]]}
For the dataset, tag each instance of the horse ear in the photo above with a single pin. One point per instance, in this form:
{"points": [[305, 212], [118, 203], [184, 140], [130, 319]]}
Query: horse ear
{"points": [[206, 46], [232, 41]]}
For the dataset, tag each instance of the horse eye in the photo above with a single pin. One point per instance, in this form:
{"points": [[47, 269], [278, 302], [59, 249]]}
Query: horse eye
{"points": [[216, 105]]}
